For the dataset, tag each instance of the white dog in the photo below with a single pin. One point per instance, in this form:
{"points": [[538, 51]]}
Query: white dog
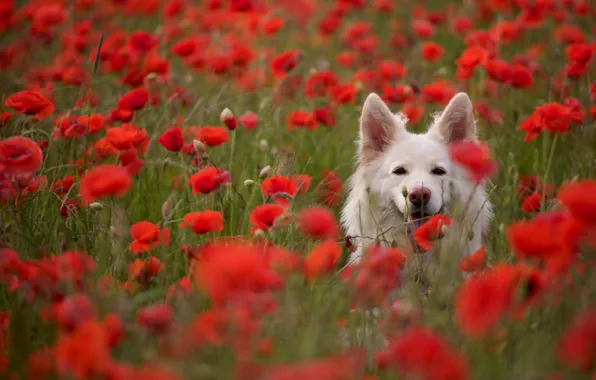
{"points": [[402, 179]]}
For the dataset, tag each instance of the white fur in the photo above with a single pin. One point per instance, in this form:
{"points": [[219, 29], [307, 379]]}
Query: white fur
{"points": [[376, 201]]}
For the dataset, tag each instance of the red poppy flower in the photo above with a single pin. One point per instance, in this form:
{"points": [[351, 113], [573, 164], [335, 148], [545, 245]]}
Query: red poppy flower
{"points": [[209, 180], [438, 92], [280, 189], [580, 199], [423, 354], [413, 112], [157, 318], [330, 189], [432, 51], [423, 29], [185, 48], [391, 71], [485, 298], [576, 345], [318, 222], [121, 115], [5, 118], [474, 263], [172, 139], [301, 119], [146, 236], [322, 259], [553, 117], [63, 185], [475, 157], [498, 70], [550, 237], [580, 53], [229, 119], [19, 155], [284, 63], [212, 136], [249, 120], [30, 103], [263, 216], [521, 77], [142, 42], [134, 100], [229, 270], [202, 222], [302, 182], [431, 230], [83, 351], [103, 181], [533, 202], [470, 58], [344, 93], [377, 274], [143, 271], [325, 116], [320, 83]]}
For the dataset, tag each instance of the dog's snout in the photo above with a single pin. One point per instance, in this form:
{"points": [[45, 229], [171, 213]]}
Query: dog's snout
{"points": [[419, 196]]}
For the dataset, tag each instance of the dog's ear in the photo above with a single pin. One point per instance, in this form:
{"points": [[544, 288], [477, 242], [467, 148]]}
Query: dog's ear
{"points": [[456, 123], [378, 127]]}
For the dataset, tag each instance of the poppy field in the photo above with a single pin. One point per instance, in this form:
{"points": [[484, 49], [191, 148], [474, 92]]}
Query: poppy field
{"points": [[172, 174]]}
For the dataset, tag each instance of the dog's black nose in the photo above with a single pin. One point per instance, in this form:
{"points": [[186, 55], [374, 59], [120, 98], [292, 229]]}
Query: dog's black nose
{"points": [[419, 196]]}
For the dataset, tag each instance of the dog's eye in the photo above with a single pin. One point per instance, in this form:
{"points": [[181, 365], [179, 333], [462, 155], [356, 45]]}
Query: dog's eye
{"points": [[400, 171], [438, 171]]}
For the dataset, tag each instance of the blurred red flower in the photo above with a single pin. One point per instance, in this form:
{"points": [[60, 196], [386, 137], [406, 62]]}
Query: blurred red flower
{"points": [[147, 235], [421, 352], [431, 230], [31, 103], [102, 181], [475, 157], [202, 222], [432, 51], [322, 259], [474, 263], [576, 346], [263, 216], [485, 298], [318, 222], [208, 180], [19, 155], [172, 139]]}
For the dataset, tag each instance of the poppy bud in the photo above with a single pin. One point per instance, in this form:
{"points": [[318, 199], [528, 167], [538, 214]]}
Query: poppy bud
{"points": [[264, 173], [199, 146], [249, 183], [166, 209], [228, 118], [259, 235], [444, 229], [404, 191], [96, 206], [263, 145]]}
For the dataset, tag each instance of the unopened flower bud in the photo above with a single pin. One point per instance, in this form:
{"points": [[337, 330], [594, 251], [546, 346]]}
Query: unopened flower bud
{"points": [[199, 146], [228, 118], [249, 183], [96, 206], [259, 235], [470, 235], [264, 173], [444, 229], [404, 191], [263, 145], [166, 209]]}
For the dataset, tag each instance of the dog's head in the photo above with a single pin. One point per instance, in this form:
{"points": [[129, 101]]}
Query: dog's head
{"points": [[414, 171]]}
